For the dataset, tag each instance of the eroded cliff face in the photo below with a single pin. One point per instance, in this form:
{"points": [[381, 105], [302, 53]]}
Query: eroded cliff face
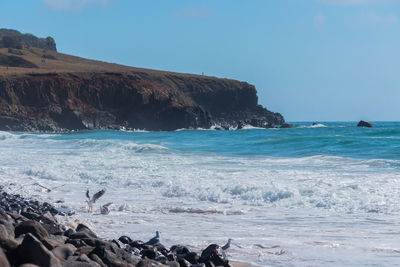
{"points": [[135, 100]]}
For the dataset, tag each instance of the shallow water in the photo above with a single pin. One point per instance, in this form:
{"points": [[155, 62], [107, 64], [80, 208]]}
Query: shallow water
{"points": [[322, 195]]}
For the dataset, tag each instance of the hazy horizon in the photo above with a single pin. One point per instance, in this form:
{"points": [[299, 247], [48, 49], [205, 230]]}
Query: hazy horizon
{"points": [[310, 60]]}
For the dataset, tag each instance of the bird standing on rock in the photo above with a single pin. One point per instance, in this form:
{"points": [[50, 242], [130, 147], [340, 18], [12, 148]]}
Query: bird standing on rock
{"points": [[154, 240], [92, 200]]}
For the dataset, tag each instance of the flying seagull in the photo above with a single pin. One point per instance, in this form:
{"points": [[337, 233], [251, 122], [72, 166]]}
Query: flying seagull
{"points": [[93, 199], [48, 189], [104, 209], [154, 240]]}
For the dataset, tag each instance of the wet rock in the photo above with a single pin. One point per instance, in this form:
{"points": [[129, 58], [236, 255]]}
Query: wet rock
{"points": [[149, 253], [365, 124], [212, 255], [32, 227], [33, 251], [125, 239], [178, 249], [137, 244], [192, 257]]}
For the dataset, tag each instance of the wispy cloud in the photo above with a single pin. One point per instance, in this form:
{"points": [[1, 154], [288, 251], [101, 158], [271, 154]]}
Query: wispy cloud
{"points": [[73, 5], [194, 13]]}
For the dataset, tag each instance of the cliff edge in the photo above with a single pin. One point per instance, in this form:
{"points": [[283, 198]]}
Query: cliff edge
{"points": [[43, 90]]}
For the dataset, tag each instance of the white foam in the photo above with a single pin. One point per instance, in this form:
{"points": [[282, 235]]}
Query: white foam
{"points": [[316, 209]]}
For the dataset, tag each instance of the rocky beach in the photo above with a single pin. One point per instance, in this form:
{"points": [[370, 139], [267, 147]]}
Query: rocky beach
{"points": [[30, 235]]}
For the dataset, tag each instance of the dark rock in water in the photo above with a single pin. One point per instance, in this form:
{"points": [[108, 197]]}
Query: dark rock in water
{"points": [[149, 253], [125, 239], [178, 249], [212, 255], [286, 126], [192, 257], [33, 251], [137, 244], [3, 259], [32, 227], [365, 124]]}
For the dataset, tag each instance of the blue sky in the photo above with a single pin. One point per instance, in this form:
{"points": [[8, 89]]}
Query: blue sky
{"points": [[313, 60]]}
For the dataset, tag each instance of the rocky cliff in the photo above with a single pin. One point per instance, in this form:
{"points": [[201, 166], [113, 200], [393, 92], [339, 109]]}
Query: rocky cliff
{"points": [[43, 90], [136, 100]]}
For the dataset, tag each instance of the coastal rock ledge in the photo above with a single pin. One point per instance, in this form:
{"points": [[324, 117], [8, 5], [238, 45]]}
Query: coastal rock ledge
{"points": [[147, 100]]}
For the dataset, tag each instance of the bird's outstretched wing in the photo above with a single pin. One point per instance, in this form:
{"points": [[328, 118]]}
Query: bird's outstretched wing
{"points": [[108, 204], [97, 195], [87, 194]]}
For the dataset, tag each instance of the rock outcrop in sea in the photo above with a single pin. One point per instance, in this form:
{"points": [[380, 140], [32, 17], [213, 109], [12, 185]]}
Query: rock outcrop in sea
{"points": [[43, 90]]}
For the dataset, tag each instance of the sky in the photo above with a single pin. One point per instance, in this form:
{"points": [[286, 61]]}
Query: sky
{"points": [[310, 60]]}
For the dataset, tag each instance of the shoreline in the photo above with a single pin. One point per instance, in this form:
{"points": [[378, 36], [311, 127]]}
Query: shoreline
{"points": [[27, 225]]}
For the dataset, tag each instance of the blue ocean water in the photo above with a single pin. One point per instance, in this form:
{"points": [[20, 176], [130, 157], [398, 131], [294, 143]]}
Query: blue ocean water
{"points": [[325, 194], [329, 138]]}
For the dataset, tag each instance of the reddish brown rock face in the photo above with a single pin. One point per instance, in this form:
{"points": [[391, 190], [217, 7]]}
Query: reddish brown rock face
{"points": [[137, 100]]}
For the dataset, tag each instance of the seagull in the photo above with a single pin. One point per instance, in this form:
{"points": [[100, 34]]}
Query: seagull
{"points": [[93, 199], [104, 209], [154, 240], [48, 189], [227, 245]]}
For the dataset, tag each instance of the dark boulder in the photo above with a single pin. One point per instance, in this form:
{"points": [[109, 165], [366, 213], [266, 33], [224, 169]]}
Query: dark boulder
{"points": [[111, 255], [192, 257], [64, 251], [81, 228], [213, 256], [365, 124], [32, 227], [125, 239], [33, 251]]}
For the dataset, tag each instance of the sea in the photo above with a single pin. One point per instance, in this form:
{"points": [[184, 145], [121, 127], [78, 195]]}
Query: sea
{"points": [[314, 195]]}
